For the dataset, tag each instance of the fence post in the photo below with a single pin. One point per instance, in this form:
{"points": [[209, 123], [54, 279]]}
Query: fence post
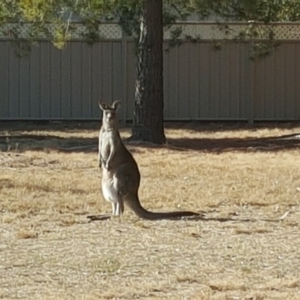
{"points": [[124, 77], [252, 88]]}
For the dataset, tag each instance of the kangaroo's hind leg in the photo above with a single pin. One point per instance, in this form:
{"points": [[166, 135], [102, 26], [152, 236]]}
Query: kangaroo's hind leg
{"points": [[111, 195], [118, 207]]}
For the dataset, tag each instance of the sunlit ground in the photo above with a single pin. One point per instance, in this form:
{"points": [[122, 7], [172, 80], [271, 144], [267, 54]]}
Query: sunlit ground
{"points": [[244, 181]]}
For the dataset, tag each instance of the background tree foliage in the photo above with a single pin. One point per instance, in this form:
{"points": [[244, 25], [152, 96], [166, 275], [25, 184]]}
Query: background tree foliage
{"points": [[128, 12], [60, 13], [245, 10]]}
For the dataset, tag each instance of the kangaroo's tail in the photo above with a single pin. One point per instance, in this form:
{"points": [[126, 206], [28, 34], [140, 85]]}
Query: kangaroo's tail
{"points": [[141, 212]]}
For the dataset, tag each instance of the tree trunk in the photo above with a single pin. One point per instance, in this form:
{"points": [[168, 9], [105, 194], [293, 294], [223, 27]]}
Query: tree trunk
{"points": [[149, 95]]}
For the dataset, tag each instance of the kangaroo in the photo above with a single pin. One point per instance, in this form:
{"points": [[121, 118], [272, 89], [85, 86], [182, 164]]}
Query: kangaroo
{"points": [[120, 172]]}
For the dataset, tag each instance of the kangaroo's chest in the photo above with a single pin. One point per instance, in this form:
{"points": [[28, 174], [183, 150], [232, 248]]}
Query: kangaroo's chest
{"points": [[105, 144]]}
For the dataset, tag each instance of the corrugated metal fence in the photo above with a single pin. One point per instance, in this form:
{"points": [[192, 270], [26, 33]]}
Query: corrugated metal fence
{"points": [[201, 83]]}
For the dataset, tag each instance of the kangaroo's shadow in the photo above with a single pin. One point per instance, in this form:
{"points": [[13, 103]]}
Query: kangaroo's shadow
{"points": [[196, 218], [93, 218]]}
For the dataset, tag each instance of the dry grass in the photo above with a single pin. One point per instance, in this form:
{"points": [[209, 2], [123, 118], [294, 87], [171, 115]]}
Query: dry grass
{"points": [[246, 184]]}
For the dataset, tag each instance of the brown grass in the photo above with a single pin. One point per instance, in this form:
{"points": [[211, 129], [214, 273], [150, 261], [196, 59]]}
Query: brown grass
{"points": [[245, 182]]}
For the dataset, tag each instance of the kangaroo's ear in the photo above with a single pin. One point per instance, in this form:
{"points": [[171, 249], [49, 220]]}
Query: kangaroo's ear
{"points": [[116, 104], [102, 106]]}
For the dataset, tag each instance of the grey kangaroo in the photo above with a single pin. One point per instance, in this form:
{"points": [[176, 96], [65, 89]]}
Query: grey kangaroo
{"points": [[120, 173]]}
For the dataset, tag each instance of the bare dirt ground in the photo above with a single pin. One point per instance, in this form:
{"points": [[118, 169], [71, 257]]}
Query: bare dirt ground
{"points": [[245, 181]]}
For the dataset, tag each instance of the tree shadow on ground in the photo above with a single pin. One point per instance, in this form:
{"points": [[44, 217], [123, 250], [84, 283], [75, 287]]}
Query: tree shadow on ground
{"points": [[206, 126], [46, 126], [219, 145], [22, 143], [18, 138]]}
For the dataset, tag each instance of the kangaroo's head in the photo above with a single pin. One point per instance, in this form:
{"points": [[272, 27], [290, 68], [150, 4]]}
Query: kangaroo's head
{"points": [[110, 113]]}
